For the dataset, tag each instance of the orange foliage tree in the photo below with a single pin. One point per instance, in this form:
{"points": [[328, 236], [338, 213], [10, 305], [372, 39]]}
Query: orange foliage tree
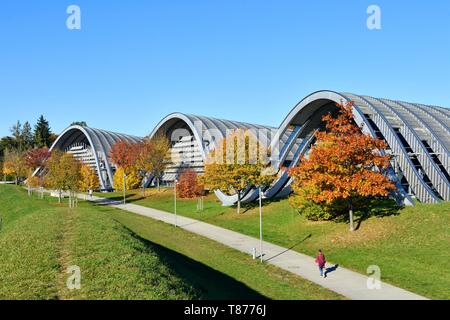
{"points": [[344, 164], [34, 159], [37, 158], [123, 154], [188, 185]]}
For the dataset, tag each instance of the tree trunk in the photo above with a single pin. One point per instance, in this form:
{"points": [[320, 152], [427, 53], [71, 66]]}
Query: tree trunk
{"points": [[59, 196], [157, 183], [239, 202], [350, 211]]}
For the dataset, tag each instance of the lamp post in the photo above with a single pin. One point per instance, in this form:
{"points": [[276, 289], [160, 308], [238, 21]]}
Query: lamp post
{"points": [[260, 225], [124, 188], [175, 200], [142, 174]]}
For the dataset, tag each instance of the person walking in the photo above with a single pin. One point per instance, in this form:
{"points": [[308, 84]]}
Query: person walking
{"points": [[320, 260], [90, 193]]}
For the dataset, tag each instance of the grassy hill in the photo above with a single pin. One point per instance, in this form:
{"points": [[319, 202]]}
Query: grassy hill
{"points": [[125, 256], [39, 240], [410, 245]]}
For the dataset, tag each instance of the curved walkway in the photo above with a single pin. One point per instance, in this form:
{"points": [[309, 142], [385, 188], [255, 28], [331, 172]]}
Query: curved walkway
{"points": [[348, 283]]}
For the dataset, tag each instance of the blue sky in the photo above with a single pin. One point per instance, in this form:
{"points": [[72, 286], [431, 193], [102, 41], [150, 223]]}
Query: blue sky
{"points": [[135, 61]]}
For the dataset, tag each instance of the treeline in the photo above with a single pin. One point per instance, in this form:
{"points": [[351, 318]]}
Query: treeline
{"points": [[26, 148], [22, 139]]}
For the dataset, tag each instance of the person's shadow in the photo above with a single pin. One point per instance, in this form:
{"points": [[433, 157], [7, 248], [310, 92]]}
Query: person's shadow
{"points": [[331, 269]]}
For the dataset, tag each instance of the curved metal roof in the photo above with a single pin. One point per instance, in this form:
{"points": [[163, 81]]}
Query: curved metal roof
{"points": [[418, 136], [101, 142], [201, 126]]}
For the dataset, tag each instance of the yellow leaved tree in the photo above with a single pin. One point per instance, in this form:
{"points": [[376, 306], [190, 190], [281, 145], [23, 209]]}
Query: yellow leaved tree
{"points": [[132, 181], [240, 161], [89, 179]]}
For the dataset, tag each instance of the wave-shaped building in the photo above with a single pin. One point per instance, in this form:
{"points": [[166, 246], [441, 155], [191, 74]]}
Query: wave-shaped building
{"points": [[92, 147], [417, 135]]}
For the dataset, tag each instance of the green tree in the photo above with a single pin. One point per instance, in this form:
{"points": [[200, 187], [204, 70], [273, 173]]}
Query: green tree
{"points": [[42, 133], [16, 132], [27, 136], [7, 143], [79, 123]]}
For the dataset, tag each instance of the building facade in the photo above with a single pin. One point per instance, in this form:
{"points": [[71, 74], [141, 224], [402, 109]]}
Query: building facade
{"points": [[417, 135]]}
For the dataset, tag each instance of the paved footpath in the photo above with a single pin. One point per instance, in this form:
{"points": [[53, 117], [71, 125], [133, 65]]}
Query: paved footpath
{"points": [[348, 283]]}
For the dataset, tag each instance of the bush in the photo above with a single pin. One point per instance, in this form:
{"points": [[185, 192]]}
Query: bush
{"points": [[188, 185]]}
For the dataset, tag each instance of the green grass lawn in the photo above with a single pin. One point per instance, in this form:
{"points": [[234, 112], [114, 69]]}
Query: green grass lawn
{"points": [[125, 256], [412, 246]]}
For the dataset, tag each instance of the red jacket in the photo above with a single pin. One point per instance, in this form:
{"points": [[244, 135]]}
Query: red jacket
{"points": [[320, 260]]}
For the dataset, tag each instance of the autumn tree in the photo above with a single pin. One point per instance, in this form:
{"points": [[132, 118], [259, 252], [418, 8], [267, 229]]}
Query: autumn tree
{"points": [[143, 151], [63, 173], [88, 179], [14, 164], [132, 181], [343, 165], [151, 156], [123, 154], [37, 159], [188, 185], [33, 181], [238, 162]]}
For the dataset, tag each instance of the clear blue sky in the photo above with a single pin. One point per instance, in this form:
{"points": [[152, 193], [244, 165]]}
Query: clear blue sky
{"points": [[135, 61]]}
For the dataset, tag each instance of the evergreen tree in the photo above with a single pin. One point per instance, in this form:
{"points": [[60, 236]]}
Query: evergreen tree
{"points": [[27, 136], [79, 123], [7, 143], [16, 131], [42, 133]]}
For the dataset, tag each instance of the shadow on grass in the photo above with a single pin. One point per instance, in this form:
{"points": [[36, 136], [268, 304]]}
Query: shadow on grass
{"points": [[255, 204], [366, 209], [290, 248], [212, 284]]}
